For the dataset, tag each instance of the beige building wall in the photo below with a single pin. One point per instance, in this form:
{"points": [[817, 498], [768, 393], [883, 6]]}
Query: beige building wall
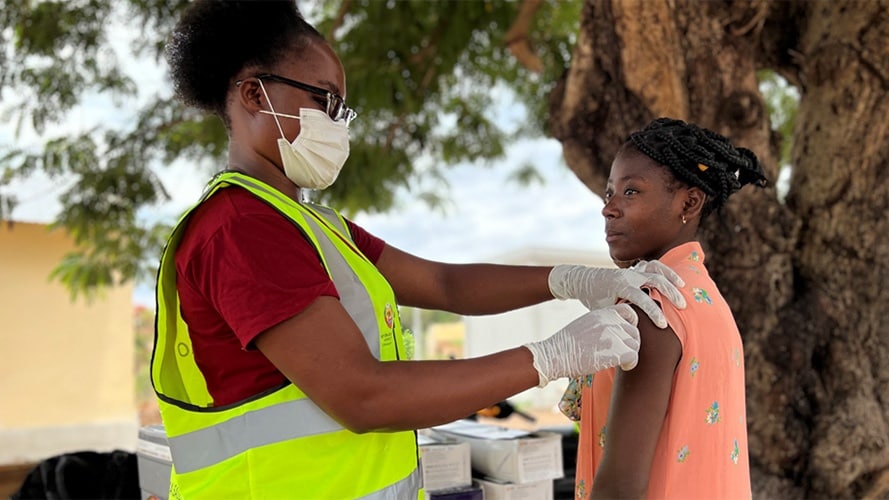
{"points": [[66, 368]]}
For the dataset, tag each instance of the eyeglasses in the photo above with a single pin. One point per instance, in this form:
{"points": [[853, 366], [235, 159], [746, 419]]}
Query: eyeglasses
{"points": [[336, 105]]}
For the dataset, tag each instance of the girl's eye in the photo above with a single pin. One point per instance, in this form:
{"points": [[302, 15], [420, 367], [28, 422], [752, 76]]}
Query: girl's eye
{"points": [[629, 191], [608, 195]]}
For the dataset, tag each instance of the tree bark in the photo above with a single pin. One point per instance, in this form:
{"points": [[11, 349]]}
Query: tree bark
{"points": [[804, 278]]}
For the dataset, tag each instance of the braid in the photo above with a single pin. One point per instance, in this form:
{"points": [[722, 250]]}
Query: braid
{"points": [[700, 158]]}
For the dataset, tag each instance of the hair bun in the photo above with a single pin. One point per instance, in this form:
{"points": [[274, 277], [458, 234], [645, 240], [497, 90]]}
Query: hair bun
{"points": [[214, 40], [750, 171]]}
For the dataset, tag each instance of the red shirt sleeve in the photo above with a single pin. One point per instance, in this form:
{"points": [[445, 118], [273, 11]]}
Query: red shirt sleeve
{"points": [[370, 245]]}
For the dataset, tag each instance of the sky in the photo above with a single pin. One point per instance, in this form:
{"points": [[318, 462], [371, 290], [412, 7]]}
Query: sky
{"points": [[485, 214]]}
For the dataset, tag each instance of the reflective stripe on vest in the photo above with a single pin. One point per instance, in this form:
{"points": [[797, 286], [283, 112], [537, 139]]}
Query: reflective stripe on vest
{"points": [[206, 447], [211, 444], [406, 488]]}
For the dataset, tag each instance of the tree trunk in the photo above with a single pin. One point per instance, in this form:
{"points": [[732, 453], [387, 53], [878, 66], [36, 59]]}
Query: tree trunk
{"points": [[804, 279]]}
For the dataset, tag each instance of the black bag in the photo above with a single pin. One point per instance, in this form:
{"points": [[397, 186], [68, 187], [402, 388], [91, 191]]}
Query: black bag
{"points": [[84, 474]]}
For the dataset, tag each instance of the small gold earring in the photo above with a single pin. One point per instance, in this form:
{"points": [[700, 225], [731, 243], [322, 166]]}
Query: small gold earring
{"points": [[683, 219]]}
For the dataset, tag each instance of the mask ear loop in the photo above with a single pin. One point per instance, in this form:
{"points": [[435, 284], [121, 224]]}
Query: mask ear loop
{"points": [[274, 115]]}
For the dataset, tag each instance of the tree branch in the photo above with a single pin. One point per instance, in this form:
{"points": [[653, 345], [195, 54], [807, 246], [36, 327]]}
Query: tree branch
{"points": [[516, 38], [338, 20], [760, 10]]}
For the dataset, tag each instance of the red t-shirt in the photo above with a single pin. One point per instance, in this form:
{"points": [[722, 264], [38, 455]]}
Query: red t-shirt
{"points": [[241, 268]]}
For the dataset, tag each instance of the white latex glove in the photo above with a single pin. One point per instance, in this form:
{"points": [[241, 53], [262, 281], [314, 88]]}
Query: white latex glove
{"points": [[599, 287], [595, 341]]}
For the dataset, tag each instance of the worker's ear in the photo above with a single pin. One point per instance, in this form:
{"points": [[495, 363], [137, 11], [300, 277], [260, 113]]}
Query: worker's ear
{"points": [[250, 95]]}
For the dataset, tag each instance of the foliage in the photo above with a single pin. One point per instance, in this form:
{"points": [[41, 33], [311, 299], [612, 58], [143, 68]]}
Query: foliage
{"points": [[782, 101], [56, 56], [424, 76]]}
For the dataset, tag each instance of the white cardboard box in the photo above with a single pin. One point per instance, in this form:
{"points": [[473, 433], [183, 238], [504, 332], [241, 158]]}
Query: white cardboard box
{"points": [[445, 462], [508, 455], [154, 462], [500, 490]]}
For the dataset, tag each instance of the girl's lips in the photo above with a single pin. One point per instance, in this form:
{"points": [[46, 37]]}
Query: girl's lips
{"points": [[612, 235]]}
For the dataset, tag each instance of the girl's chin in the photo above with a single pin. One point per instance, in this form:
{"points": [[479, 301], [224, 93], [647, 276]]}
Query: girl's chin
{"points": [[622, 262], [620, 256]]}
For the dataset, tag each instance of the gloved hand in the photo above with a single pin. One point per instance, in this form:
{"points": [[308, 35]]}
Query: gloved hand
{"points": [[595, 341], [600, 287]]}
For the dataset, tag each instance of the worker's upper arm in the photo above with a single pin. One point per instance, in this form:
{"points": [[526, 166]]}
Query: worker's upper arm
{"points": [[417, 282], [323, 352]]}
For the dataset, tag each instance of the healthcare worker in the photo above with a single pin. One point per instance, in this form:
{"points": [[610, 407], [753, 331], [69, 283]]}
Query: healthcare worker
{"points": [[279, 361]]}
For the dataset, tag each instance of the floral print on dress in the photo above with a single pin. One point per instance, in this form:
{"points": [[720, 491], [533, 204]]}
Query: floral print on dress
{"points": [[701, 295], [580, 492], [693, 366], [713, 413], [736, 356], [736, 453], [682, 455], [694, 269], [694, 256], [602, 434]]}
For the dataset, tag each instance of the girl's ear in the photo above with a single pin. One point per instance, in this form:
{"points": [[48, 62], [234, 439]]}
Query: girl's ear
{"points": [[695, 198]]}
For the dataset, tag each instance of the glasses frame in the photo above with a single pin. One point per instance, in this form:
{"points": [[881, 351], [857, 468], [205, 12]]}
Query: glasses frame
{"points": [[336, 105]]}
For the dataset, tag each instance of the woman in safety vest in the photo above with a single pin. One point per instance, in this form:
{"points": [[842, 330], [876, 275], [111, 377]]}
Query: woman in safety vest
{"points": [[279, 362]]}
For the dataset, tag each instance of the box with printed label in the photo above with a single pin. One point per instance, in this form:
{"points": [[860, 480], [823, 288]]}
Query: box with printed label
{"points": [[154, 462], [508, 454], [445, 462], [494, 489]]}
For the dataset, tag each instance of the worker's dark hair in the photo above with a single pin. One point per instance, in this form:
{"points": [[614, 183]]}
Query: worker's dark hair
{"points": [[698, 157], [215, 39]]}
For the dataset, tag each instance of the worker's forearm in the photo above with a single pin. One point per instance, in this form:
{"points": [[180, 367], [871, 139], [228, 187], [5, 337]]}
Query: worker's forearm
{"points": [[419, 394], [474, 289]]}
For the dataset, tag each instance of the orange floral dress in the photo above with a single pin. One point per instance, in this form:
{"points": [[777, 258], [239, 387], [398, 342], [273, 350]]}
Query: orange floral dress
{"points": [[702, 448]]}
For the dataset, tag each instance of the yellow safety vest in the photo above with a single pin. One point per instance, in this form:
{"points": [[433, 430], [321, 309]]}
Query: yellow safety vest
{"points": [[279, 444]]}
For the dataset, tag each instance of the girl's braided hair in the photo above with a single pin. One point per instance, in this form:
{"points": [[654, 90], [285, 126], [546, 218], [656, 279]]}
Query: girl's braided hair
{"points": [[698, 157]]}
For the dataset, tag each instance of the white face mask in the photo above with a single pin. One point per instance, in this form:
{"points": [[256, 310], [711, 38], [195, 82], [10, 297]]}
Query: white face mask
{"points": [[314, 159]]}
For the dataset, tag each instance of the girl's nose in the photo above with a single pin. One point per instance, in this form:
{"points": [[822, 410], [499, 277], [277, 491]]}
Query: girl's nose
{"points": [[609, 211]]}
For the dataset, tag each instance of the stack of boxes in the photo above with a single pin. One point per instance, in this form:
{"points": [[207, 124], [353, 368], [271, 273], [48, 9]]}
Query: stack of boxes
{"points": [[154, 463], [447, 471], [509, 464]]}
